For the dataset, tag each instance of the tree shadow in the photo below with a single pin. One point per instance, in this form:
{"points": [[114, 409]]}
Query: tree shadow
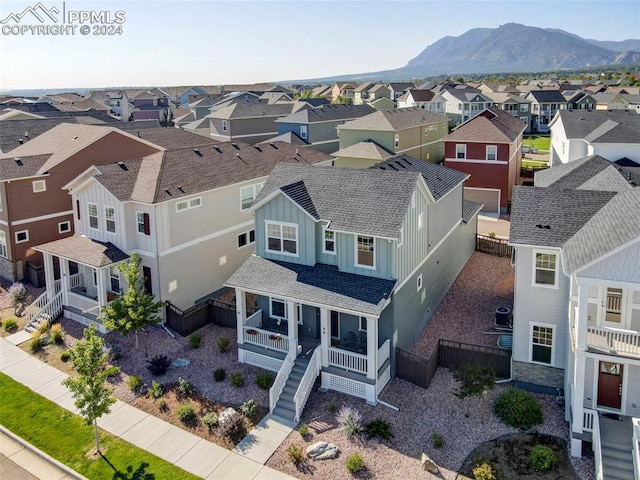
{"points": [[140, 473]]}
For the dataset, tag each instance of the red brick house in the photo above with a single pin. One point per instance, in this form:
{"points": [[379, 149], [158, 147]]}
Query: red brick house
{"points": [[489, 148]]}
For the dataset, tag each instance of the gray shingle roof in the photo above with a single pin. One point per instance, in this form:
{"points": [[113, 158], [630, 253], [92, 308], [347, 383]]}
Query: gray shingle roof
{"points": [[298, 193], [84, 250], [396, 119], [547, 96], [491, 125], [589, 173], [327, 113], [173, 138], [440, 180], [368, 202], [369, 149], [288, 137], [253, 108], [20, 167], [320, 284], [469, 210], [601, 126]]}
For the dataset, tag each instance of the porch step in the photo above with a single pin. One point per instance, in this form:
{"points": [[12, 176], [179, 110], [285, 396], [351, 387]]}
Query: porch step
{"points": [[285, 406], [616, 443]]}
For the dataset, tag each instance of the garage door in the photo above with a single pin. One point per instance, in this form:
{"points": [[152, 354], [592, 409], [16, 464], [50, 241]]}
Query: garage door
{"points": [[489, 198]]}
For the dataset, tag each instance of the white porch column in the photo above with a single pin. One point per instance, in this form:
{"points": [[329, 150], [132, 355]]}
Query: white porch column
{"points": [[65, 281], [241, 313], [101, 281], [581, 321], [49, 276], [325, 336], [372, 348], [292, 325], [577, 404]]}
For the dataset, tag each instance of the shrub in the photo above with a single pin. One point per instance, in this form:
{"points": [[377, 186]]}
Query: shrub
{"points": [[295, 453], [156, 390], [223, 344], [195, 340], [57, 334], [17, 292], [184, 386], [474, 380], [43, 327], [303, 430], [378, 428], [37, 342], [210, 420], [542, 458], [10, 324], [186, 413], [163, 405], [355, 463], [159, 364], [236, 379], [65, 356], [219, 374], [331, 407], [265, 380], [484, 471], [112, 371], [134, 382], [350, 420], [249, 408], [437, 440], [518, 409], [116, 351]]}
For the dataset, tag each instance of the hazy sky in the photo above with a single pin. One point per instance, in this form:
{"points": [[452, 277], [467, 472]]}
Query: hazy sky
{"points": [[214, 42]]}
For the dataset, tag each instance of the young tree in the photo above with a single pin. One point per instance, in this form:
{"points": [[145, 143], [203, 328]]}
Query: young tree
{"points": [[90, 390], [135, 308]]}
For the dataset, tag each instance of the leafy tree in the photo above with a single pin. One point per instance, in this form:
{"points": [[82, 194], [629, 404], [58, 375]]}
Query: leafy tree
{"points": [[135, 308], [89, 389], [459, 79]]}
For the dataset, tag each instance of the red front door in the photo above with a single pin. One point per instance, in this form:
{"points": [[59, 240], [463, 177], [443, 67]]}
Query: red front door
{"points": [[610, 385]]}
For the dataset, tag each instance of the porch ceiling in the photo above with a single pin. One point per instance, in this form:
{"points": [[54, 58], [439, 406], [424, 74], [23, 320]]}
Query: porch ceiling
{"points": [[319, 285], [84, 250]]}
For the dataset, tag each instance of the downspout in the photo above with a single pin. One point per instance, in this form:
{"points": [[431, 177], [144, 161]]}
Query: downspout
{"points": [[10, 232]]}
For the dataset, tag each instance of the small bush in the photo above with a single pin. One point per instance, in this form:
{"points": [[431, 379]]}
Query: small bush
{"points": [[332, 407], [57, 334], [350, 421], [223, 344], [249, 408], [158, 365], [378, 428], [17, 292], [135, 382], [112, 371], [43, 327], [484, 471], [10, 324], [116, 351], [236, 379], [184, 386], [163, 405], [156, 390], [303, 430], [210, 420], [542, 458], [65, 356], [37, 342], [474, 380], [355, 463], [518, 409], [219, 374], [437, 440], [195, 340], [265, 380], [186, 413], [296, 454]]}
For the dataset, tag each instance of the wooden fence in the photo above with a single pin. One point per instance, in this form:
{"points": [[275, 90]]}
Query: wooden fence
{"points": [[420, 370], [493, 246], [529, 172], [185, 322]]}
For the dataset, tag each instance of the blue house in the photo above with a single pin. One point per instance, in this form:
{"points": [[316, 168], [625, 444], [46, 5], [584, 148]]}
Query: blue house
{"points": [[349, 264]]}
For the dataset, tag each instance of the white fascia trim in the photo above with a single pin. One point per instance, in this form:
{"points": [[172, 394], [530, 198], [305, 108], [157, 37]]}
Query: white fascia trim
{"points": [[40, 218], [603, 257], [253, 134], [37, 175], [489, 162], [71, 183], [211, 236]]}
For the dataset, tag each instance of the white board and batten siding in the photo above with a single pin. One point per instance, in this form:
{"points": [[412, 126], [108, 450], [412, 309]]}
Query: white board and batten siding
{"points": [[97, 194]]}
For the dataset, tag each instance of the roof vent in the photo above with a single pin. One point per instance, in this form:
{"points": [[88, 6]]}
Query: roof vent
{"points": [[74, 138], [19, 162], [26, 134], [20, 141], [235, 145], [273, 145], [181, 189], [168, 192], [123, 166], [257, 147], [217, 149], [197, 152]]}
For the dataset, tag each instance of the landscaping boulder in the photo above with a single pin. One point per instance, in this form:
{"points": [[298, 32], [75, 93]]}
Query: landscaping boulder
{"points": [[429, 465], [181, 362], [18, 309], [228, 416], [322, 451]]}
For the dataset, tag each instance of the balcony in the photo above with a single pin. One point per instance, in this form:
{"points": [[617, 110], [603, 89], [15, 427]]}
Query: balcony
{"points": [[357, 362], [614, 341]]}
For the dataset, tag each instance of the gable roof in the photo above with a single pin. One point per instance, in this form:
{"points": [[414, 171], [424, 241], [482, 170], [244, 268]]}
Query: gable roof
{"points": [[395, 119], [419, 95], [252, 108], [288, 137], [368, 149], [588, 173], [172, 138], [21, 167], [490, 125], [84, 250], [327, 113], [600, 126], [547, 96]]}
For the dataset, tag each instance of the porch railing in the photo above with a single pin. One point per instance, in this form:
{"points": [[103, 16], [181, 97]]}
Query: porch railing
{"points": [[254, 320], [617, 341], [351, 361], [49, 312], [266, 339], [588, 419], [39, 303], [306, 384], [384, 352], [281, 379], [595, 442], [636, 446], [76, 280]]}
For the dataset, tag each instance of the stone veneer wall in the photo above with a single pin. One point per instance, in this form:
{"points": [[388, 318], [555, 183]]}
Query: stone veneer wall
{"points": [[538, 374], [7, 271]]}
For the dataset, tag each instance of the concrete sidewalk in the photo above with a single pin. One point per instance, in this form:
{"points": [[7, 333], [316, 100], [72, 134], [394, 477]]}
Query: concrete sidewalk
{"points": [[177, 446]]}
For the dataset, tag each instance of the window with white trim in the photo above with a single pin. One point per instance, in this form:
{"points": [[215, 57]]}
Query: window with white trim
{"points": [[188, 204], [278, 308], [419, 283], [224, 125], [114, 279], [401, 237], [248, 194], [3, 244], [92, 210], [365, 251], [545, 271], [396, 141], [524, 107], [525, 120], [363, 324], [542, 343], [328, 241], [22, 236], [461, 151], [64, 227], [492, 153], [303, 132], [420, 220], [39, 186], [246, 238], [110, 219], [282, 238]]}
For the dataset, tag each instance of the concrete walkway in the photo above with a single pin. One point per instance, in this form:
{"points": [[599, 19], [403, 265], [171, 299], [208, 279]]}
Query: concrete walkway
{"points": [[261, 442], [177, 446]]}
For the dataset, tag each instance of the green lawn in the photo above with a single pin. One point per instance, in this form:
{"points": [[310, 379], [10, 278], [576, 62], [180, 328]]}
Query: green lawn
{"points": [[534, 163], [541, 142], [67, 438]]}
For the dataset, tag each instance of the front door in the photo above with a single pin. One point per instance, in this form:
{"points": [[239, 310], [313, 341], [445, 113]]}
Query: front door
{"points": [[610, 385]]}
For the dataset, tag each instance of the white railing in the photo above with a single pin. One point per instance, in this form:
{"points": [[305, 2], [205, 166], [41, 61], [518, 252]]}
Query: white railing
{"points": [[354, 362], [266, 339], [76, 280], [384, 352], [281, 379], [254, 320], [306, 384], [615, 340], [587, 420], [39, 303], [50, 311], [636, 446], [595, 442]]}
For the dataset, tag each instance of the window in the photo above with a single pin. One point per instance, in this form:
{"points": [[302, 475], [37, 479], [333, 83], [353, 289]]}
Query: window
{"points": [[187, 204], [401, 237], [142, 222], [420, 220], [525, 120], [95, 277], [419, 283], [146, 274], [22, 236], [492, 153], [3, 244], [248, 195], [110, 219], [461, 151], [545, 269], [335, 324], [39, 186], [365, 251], [93, 215], [542, 344], [252, 236], [242, 240], [64, 227], [224, 125], [282, 238], [329, 241], [303, 131], [397, 141], [524, 107], [278, 308], [363, 324], [114, 279]]}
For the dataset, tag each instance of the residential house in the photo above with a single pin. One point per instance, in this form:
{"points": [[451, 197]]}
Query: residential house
{"points": [[381, 91], [514, 105], [361, 93], [412, 131], [317, 126], [116, 101], [580, 133], [488, 147], [349, 265], [576, 326], [462, 102], [544, 106], [152, 104], [580, 100], [342, 92], [495, 87], [399, 88], [183, 211], [425, 99], [322, 91], [610, 101], [13, 114], [382, 103]]}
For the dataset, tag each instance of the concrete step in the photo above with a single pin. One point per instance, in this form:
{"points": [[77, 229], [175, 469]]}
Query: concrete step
{"points": [[286, 404], [614, 474], [620, 454], [290, 389], [285, 414]]}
